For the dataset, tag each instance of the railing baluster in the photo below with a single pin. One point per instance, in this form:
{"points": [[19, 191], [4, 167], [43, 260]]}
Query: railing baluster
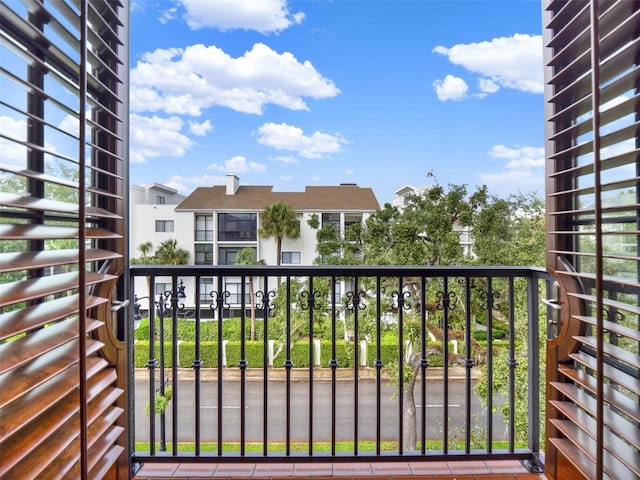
{"points": [[287, 365], [312, 298], [378, 365], [489, 365], [197, 365], [423, 362], [174, 364], [242, 366], [400, 368], [333, 364], [152, 363], [265, 369], [356, 368], [445, 365], [219, 309], [512, 363], [468, 365]]}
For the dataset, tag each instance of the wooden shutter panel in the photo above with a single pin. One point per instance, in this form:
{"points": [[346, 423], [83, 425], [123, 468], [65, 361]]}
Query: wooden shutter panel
{"points": [[63, 124], [592, 54]]}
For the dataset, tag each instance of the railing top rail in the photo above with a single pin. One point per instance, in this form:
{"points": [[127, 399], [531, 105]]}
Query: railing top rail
{"points": [[341, 270]]}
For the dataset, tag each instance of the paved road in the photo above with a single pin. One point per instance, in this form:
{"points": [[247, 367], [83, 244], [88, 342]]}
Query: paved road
{"points": [[299, 408]]}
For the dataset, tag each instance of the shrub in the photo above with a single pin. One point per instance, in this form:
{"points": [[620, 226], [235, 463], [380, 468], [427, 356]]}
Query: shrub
{"points": [[253, 353], [141, 353], [208, 354]]}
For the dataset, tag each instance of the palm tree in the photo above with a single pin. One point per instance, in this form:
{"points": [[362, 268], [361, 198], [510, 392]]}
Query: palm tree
{"points": [[279, 221], [145, 249], [168, 253], [247, 256]]}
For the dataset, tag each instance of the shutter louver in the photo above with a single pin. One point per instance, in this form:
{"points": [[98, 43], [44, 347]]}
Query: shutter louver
{"points": [[592, 71], [63, 131]]}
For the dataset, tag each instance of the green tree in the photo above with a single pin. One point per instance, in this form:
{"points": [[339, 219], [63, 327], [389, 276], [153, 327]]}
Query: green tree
{"points": [[145, 250], [248, 256], [279, 221], [168, 253]]}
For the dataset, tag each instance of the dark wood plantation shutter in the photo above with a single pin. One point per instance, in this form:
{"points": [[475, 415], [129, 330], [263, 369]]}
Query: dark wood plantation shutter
{"points": [[63, 140], [592, 53]]}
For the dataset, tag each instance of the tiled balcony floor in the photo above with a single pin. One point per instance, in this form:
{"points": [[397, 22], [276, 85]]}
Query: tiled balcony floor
{"points": [[459, 470]]}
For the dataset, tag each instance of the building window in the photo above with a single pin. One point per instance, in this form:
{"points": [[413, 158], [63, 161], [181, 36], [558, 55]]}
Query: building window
{"points": [[162, 287], [332, 219], [206, 287], [227, 255], [164, 225], [235, 292], [204, 228], [204, 254], [291, 257], [237, 227], [160, 200]]}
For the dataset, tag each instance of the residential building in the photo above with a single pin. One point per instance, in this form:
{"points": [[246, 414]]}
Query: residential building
{"points": [[214, 223], [152, 210]]}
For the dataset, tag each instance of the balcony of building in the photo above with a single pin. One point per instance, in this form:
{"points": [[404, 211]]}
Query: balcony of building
{"points": [[323, 388]]}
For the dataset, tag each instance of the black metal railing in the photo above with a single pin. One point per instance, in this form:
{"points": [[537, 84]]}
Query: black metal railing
{"points": [[427, 363]]}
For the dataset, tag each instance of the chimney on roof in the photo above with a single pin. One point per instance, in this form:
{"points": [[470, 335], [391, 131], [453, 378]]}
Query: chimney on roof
{"points": [[233, 183]]}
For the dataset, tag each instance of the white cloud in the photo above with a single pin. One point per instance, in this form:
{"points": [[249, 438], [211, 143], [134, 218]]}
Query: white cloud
{"points": [[186, 185], [264, 16], [200, 129], [168, 15], [522, 170], [520, 157], [155, 136], [11, 152], [486, 85], [187, 81], [286, 178], [238, 164], [510, 62], [288, 137], [451, 88]]}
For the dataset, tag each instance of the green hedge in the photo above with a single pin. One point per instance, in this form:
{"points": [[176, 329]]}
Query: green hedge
{"points": [[388, 353], [141, 353], [344, 353], [253, 353], [208, 354], [255, 357]]}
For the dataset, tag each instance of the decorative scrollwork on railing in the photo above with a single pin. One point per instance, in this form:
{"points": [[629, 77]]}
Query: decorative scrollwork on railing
{"points": [[265, 301], [446, 301], [219, 300], [400, 301], [309, 300], [491, 301], [355, 301]]}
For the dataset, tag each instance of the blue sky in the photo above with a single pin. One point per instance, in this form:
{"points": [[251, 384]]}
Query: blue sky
{"points": [[373, 92]]}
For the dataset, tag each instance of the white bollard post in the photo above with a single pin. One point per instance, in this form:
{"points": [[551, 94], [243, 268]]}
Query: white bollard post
{"points": [[223, 360], [363, 353], [270, 353], [316, 353]]}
